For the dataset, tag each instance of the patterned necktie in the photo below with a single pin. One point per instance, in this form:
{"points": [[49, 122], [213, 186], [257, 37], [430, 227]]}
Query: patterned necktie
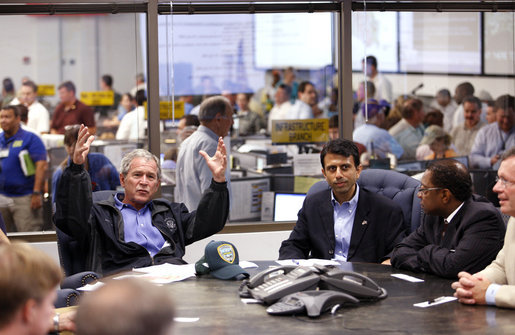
{"points": [[445, 225]]}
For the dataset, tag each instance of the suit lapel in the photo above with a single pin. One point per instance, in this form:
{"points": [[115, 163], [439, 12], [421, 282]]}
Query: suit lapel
{"points": [[326, 212], [453, 226], [360, 225]]}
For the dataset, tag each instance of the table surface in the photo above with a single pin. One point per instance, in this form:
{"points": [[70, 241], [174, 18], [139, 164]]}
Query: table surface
{"points": [[221, 311]]}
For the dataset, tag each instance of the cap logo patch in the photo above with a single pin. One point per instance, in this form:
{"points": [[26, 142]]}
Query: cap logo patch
{"points": [[226, 252]]}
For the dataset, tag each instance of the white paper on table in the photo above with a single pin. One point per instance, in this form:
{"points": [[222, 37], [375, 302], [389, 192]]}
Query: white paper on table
{"points": [[307, 262], [407, 278], [166, 273], [434, 302], [247, 265], [91, 287], [179, 319]]}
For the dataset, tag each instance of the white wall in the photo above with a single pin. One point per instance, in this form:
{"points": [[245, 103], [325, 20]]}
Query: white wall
{"points": [[91, 45]]}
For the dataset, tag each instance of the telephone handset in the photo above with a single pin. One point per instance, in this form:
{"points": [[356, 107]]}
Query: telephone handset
{"points": [[311, 302], [273, 284], [352, 283], [268, 274]]}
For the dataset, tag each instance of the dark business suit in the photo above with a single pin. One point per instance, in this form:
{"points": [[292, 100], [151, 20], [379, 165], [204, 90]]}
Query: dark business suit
{"points": [[471, 241], [377, 228]]}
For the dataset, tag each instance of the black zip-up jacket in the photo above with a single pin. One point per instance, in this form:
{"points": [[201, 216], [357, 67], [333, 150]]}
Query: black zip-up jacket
{"points": [[99, 227]]}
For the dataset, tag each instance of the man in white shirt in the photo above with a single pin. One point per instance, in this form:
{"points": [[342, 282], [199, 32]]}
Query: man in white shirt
{"points": [[38, 118], [307, 97], [282, 105], [445, 104], [382, 84], [463, 135]]}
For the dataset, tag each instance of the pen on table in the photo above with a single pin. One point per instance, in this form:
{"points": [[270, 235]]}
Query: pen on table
{"points": [[295, 262]]}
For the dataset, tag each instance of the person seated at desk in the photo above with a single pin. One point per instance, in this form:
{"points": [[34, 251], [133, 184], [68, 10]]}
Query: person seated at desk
{"points": [[28, 279], [345, 222], [493, 139], [495, 285], [126, 307], [101, 171], [459, 231], [131, 230]]}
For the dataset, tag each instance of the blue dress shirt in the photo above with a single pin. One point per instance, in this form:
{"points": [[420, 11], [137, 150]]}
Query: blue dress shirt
{"points": [[138, 227], [343, 221]]}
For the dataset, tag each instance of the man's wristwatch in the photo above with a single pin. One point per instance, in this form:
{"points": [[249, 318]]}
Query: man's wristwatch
{"points": [[56, 322], [36, 193]]}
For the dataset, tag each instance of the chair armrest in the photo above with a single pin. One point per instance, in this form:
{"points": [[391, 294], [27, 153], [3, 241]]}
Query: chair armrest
{"points": [[67, 297], [79, 279]]}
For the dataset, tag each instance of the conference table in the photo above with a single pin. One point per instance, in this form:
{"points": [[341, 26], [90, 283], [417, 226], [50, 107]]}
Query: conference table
{"points": [[220, 310]]}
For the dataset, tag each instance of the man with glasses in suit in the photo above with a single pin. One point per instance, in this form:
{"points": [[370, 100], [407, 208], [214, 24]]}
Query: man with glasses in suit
{"points": [[459, 231]]}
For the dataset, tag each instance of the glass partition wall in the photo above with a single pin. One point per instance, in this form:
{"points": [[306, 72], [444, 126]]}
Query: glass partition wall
{"points": [[187, 51]]}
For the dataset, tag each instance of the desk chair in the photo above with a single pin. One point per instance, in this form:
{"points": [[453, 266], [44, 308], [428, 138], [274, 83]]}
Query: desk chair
{"points": [[397, 186], [72, 253]]}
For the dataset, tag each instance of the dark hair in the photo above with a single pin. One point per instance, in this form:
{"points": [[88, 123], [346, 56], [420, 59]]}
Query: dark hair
{"points": [[286, 88], [302, 86], [141, 97], [71, 133], [434, 117], [8, 85], [13, 108], [466, 87], [410, 106], [452, 175], [340, 147], [333, 122], [107, 79], [32, 85], [24, 112], [371, 88], [371, 60], [68, 85], [191, 120], [505, 102], [444, 92], [473, 100]]}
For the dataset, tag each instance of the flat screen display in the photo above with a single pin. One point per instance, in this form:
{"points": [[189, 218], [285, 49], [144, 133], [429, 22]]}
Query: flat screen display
{"points": [[287, 205]]}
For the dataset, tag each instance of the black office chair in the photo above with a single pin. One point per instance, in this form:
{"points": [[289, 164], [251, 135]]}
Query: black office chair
{"points": [[68, 295], [397, 186], [72, 253]]}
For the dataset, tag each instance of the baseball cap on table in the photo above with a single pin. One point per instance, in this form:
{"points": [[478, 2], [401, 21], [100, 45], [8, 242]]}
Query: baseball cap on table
{"points": [[222, 259]]}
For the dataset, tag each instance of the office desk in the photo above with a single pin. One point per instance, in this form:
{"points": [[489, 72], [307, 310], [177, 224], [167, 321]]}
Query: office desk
{"points": [[217, 304]]}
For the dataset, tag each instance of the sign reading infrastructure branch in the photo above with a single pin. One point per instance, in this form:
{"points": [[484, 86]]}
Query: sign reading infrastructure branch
{"points": [[300, 131]]}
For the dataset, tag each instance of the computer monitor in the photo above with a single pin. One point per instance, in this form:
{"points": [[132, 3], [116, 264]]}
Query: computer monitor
{"points": [[287, 205]]}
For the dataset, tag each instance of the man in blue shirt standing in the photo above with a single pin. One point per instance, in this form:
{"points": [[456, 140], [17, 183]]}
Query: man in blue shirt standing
{"points": [[23, 166]]}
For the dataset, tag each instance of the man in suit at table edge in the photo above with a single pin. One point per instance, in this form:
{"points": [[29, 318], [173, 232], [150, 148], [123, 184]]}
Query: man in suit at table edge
{"points": [[346, 222], [460, 231], [495, 285]]}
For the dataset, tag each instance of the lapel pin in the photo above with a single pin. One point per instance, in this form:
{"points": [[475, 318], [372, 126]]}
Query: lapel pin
{"points": [[364, 222]]}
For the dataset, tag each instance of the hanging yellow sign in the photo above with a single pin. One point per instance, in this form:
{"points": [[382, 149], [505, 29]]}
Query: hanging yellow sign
{"points": [[97, 98], [167, 110], [46, 90], [300, 131]]}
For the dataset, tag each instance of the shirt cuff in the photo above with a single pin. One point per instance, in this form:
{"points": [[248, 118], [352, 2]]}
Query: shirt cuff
{"points": [[490, 293]]}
